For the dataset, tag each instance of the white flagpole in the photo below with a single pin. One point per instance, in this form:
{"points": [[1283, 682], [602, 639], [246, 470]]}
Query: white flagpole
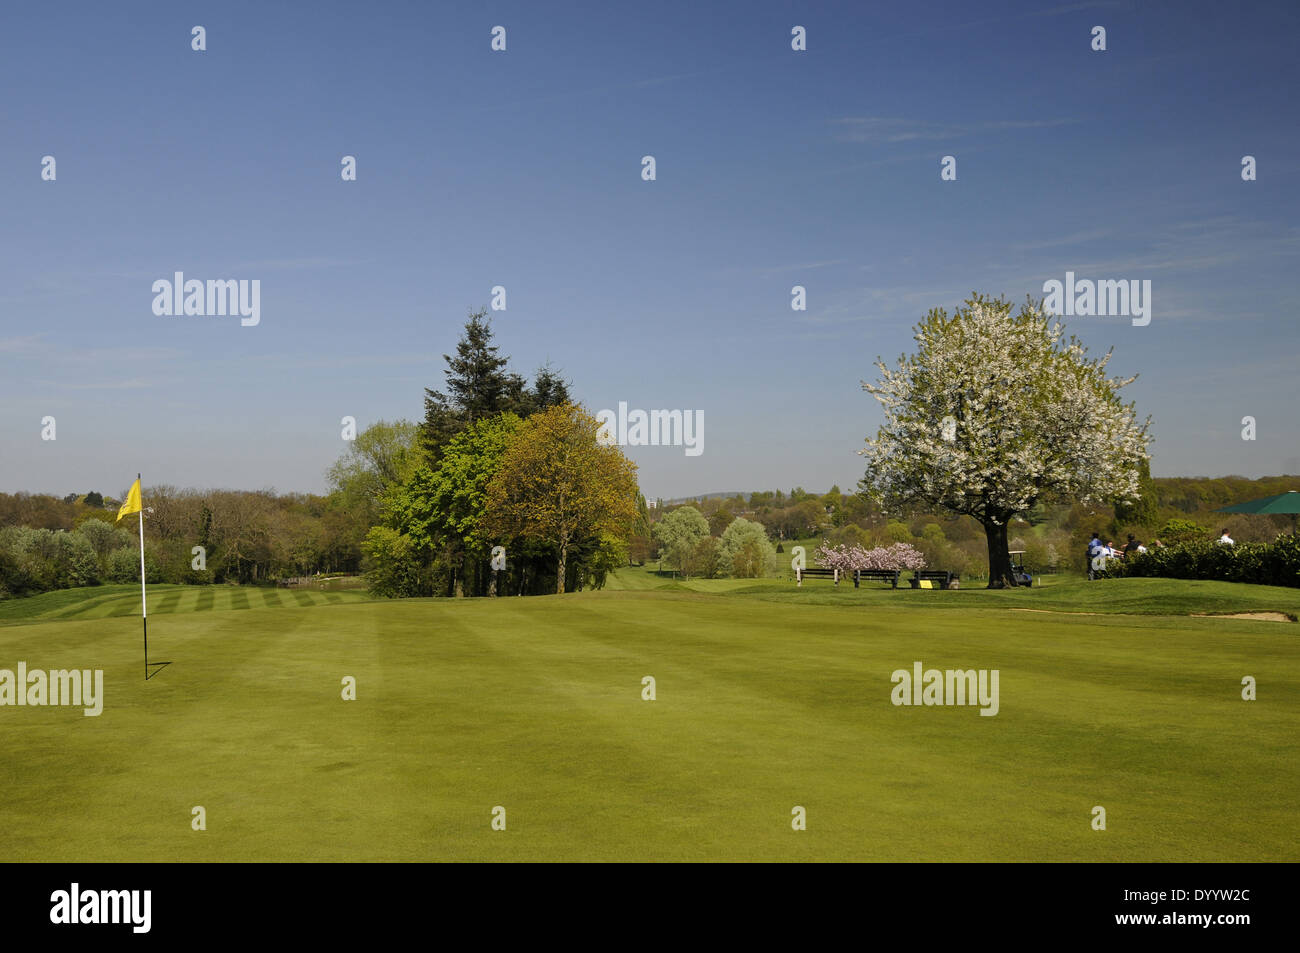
{"points": [[144, 611]]}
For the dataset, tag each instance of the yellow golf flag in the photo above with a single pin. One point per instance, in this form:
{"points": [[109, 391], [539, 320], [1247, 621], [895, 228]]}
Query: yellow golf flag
{"points": [[132, 504]]}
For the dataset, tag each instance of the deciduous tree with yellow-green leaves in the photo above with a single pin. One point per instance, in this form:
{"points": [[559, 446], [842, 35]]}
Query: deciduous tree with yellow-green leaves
{"points": [[559, 484]]}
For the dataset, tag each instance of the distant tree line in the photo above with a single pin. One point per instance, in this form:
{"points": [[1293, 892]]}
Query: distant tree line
{"points": [[501, 463], [419, 508], [1053, 536], [243, 537], [259, 536]]}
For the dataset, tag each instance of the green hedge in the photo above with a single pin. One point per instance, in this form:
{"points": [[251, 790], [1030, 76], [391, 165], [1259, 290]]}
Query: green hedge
{"points": [[1269, 564]]}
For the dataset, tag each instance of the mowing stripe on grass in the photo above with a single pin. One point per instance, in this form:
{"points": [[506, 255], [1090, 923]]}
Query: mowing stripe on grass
{"points": [[121, 607], [304, 598], [239, 599], [166, 604], [91, 608], [536, 704], [119, 601], [188, 598]]}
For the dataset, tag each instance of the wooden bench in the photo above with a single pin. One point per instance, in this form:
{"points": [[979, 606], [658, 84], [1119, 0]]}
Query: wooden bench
{"points": [[943, 578], [816, 573], [879, 575]]}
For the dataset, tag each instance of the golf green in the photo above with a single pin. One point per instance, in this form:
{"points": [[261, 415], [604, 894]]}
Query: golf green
{"points": [[766, 699]]}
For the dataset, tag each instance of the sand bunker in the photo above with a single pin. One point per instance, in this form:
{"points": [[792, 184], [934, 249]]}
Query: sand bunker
{"points": [[1258, 616], [1261, 616], [1060, 612]]}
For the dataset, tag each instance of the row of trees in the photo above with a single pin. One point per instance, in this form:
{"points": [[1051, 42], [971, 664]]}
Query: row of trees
{"points": [[997, 418], [558, 504], [191, 536], [496, 462], [37, 560], [697, 538], [258, 536], [998, 425], [688, 544], [1053, 535]]}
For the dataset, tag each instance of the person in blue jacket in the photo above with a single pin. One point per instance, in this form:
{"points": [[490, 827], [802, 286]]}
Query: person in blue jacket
{"points": [[1095, 548]]}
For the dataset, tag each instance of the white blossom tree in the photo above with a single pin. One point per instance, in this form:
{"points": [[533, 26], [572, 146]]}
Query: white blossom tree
{"points": [[996, 412]]}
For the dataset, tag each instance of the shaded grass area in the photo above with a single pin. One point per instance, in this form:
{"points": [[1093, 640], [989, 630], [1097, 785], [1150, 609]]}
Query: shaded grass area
{"points": [[763, 703]]}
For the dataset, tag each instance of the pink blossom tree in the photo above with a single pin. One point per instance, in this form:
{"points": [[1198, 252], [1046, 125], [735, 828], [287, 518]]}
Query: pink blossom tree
{"points": [[900, 556]]}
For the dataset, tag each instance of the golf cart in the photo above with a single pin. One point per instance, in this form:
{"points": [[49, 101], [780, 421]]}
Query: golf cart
{"points": [[1019, 573]]}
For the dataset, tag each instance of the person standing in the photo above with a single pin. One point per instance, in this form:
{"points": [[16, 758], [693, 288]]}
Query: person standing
{"points": [[1225, 539], [1095, 549]]}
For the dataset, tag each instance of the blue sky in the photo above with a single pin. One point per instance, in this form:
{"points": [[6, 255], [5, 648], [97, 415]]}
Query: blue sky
{"points": [[522, 168]]}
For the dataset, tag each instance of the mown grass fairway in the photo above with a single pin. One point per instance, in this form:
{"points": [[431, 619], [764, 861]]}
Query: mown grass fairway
{"points": [[104, 602], [768, 697]]}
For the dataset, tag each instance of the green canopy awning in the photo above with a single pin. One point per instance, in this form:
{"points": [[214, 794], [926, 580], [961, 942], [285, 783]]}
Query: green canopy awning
{"points": [[1288, 502]]}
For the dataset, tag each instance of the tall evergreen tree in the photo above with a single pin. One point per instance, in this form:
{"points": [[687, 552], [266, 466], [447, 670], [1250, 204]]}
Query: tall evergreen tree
{"points": [[477, 387], [549, 389]]}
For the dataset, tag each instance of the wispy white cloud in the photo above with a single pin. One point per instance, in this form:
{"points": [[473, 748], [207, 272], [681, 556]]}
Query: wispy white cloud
{"points": [[946, 24], [894, 304], [884, 129], [129, 384], [122, 354], [294, 264], [647, 83], [661, 80], [1195, 245], [802, 266], [1076, 238], [20, 345], [1076, 7], [41, 351], [132, 383], [343, 362]]}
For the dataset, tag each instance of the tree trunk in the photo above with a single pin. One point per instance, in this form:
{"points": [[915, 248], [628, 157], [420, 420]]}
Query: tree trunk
{"points": [[458, 576], [1000, 575], [564, 555], [492, 586]]}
